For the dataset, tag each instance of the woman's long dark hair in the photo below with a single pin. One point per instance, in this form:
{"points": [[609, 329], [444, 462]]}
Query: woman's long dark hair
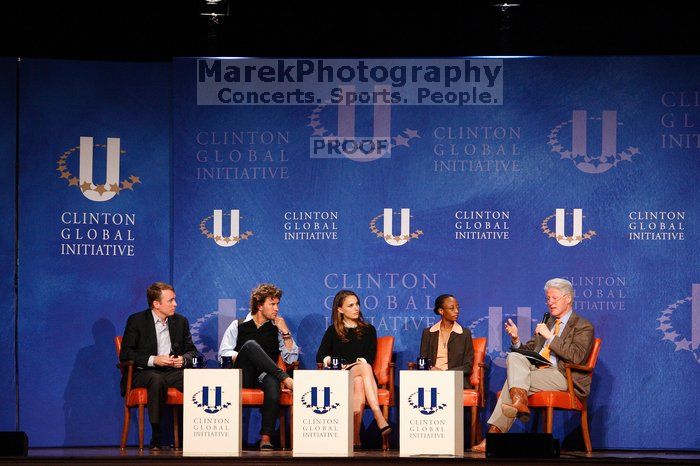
{"points": [[340, 329]]}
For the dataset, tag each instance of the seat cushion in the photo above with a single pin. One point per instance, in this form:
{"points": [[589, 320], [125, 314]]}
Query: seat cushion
{"points": [[383, 396], [174, 397], [471, 397], [139, 396], [252, 396], [555, 399], [286, 398]]}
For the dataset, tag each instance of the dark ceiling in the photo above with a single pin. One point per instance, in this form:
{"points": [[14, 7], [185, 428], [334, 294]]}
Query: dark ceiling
{"points": [[159, 30]]}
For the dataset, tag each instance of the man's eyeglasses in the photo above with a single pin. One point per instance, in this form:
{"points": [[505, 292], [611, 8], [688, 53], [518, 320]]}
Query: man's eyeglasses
{"points": [[553, 299]]}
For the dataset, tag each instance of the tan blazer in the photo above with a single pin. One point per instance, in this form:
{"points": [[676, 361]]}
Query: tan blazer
{"points": [[573, 346]]}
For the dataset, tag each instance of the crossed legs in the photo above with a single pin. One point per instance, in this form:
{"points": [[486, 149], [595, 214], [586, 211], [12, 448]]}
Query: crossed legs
{"points": [[365, 391]]}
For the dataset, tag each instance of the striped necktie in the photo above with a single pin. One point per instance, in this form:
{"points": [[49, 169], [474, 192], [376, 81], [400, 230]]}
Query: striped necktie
{"points": [[545, 350]]}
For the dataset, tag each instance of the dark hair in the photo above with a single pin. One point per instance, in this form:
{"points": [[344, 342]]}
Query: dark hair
{"points": [[439, 301], [155, 291], [338, 325], [260, 293]]}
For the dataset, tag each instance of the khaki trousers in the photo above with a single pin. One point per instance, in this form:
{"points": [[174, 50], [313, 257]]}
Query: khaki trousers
{"points": [[521, 374]]}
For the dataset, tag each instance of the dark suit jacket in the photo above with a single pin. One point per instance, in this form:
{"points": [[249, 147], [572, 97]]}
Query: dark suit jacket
{"points": [[460, 350], [573, 346], [140, 342]]}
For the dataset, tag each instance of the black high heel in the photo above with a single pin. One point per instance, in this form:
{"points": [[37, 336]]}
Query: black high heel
{"points": [[385, 431]]}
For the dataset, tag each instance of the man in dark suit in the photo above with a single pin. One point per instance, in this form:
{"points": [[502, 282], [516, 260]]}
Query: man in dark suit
{"points": [[160, 344], [566, 337]]}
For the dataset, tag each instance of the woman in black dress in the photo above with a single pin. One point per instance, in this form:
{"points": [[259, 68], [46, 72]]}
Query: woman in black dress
{"points": [[355, 341]]}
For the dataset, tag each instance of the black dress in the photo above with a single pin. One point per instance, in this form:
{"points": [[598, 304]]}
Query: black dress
{"points": [[364, 346]]}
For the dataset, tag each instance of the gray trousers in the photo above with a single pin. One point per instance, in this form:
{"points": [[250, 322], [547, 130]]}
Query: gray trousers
{"points": [[521, 374]]}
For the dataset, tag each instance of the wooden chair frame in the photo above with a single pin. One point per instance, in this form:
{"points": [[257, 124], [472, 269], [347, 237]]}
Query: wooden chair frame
{"points": [[548, 401], [174, 400]]}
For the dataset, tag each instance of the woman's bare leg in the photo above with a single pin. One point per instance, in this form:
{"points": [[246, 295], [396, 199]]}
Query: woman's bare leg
{"points": [[370, 385], [358, 407]]}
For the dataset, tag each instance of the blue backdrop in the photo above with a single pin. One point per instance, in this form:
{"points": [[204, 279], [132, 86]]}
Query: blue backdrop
{"points": [[86, 262], [605, 147], [8, 129], [611, 136]]}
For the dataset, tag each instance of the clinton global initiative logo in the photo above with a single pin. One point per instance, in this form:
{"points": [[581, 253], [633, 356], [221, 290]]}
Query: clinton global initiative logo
{"points": [[559, 233], [387, 232], [208, 330], [210, 399], [493, 326], [425, 400], [575, 147], [318, 400], [217, 235], [325, 144], [84, 181], [675, 317]]}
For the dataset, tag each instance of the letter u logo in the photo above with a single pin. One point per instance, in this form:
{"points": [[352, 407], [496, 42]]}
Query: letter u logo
{"points": [[431, 395], [325, 395], [579, 135], [381, 125], [205, 396], [85, 176], [577, 235], [219, 238], [389, 227]]}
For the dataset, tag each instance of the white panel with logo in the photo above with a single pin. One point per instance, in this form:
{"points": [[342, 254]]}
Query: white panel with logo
{"points": [[432, 413], [322, 413], [212, 412]]}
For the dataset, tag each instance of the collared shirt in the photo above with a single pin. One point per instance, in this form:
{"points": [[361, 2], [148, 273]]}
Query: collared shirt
{"points": [[228, 343], [441, 357], [163, 338], [564, 319], [562, 323]]}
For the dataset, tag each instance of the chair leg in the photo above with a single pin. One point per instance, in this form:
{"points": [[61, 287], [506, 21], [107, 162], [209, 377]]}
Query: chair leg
{"points": [[141, 416], [283, 430], [542, 415], [125, 427], [472, 429], [291, 428], [550, 418], [584, 429], [479, 432], [176, 426]]}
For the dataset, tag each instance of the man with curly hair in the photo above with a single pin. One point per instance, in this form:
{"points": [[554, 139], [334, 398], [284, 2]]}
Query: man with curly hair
{"points": [[255, 344]]}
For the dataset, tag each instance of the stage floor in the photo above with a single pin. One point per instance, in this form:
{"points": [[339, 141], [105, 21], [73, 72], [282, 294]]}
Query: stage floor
{"points": [[50, 456]]}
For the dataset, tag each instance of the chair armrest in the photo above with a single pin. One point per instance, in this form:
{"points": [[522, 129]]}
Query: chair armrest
{"points": [[127, 366], [481, 389], [411, 366], [392, 369], [578, 367]]}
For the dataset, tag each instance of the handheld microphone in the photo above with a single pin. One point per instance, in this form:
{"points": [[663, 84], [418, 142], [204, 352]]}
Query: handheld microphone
{"points": [[545, 317], [173, 350]]}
